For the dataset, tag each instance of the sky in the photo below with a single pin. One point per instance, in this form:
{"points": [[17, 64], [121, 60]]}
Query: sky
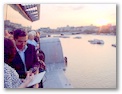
{"points": [[61, 15]]}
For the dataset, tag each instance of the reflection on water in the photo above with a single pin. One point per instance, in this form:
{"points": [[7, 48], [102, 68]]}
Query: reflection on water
{"points": [[90, 65]]}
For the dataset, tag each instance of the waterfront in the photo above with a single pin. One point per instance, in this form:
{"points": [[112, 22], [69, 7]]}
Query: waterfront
{"points": [[86, 62], [90, 65]]}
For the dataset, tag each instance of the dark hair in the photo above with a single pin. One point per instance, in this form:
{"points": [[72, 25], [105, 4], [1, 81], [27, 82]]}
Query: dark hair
{"points": [[9, 50], [41, 55], [19, 33]]}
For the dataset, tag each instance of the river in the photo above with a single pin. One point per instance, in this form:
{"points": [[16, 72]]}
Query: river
{"points": [[90, 65]]}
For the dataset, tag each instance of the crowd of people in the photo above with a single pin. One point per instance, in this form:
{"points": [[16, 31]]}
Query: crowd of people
{"points": [[22, 59]]}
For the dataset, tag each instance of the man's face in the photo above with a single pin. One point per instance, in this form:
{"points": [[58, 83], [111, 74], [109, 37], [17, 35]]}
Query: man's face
{"points": [[21, 42]]}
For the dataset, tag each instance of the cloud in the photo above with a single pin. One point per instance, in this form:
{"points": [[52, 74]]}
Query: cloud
{"points": [[76, 7], [67, 7]]}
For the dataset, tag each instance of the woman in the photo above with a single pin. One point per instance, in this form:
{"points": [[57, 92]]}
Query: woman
{"points": [[11, 78], [32, 41]]}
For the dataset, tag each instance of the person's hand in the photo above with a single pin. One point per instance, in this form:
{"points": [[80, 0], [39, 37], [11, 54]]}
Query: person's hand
{"points": [[34, 70], [27, 80], [29, 72]]}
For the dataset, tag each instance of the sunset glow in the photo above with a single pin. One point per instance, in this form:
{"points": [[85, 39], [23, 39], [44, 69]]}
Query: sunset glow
{"points": [[101, 22], [61, 15]]}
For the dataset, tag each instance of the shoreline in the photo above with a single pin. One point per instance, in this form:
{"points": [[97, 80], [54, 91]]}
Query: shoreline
{"points": [[63, 34]]}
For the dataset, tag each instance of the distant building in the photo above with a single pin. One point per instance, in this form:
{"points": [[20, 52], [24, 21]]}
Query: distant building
{"points": [[12, 26]]}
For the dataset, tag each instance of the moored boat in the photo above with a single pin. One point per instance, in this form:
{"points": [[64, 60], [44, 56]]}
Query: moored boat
{"points": [[96, 41]]}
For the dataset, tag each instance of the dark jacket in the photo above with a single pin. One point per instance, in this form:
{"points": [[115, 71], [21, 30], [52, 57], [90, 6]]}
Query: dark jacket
{"points": [[30, 61]]}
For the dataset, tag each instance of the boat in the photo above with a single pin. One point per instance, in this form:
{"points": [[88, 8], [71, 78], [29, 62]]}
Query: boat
{"points": [[96, 41], [77, 37], [114, 45], [64, 36]]}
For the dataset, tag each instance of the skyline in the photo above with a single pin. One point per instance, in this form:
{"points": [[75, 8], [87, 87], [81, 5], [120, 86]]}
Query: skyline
{"points": [[61, 15]]}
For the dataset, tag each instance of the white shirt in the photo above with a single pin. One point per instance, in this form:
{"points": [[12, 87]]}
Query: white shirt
{"points": [[22, 55]]}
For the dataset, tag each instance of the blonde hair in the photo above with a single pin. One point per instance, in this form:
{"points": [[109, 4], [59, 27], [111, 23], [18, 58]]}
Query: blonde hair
{"points": [[30, 35]]}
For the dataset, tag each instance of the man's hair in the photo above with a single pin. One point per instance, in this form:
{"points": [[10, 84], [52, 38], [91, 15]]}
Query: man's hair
{"points": [[19, 33]]}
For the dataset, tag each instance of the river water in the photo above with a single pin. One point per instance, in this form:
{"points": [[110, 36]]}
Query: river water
{"points": [[90, 65]]}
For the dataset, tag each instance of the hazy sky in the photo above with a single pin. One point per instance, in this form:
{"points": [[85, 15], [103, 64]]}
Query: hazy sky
{"points": [[60, 15]]}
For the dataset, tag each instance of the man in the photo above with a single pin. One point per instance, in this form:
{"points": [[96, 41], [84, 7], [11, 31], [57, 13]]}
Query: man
{"points": [[25, 58]]}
